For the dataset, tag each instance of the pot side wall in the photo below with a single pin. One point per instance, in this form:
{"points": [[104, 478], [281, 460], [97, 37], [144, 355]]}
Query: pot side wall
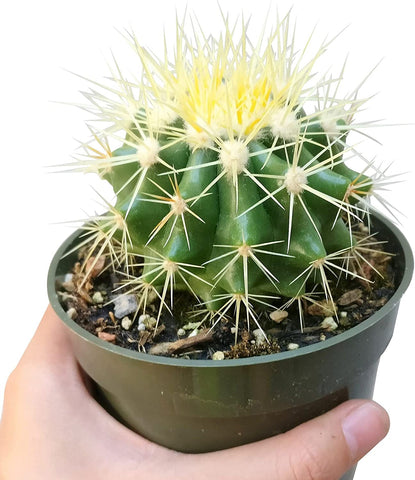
{"points": [[199, 406]]}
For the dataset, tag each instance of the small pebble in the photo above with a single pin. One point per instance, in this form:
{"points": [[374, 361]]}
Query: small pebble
{"points": [[124, 305], [293, 346], [97, 297], [141, 327], [259, 335], [329, 324], [343, 314], [233, 330], [68, 277], [181, 332], [126, 323], [218, 355], [72, 313], [108, 337], [278, 315], [322, 337]]}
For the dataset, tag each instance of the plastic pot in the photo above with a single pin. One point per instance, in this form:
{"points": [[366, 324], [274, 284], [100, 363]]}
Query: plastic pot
{"points": [[200, 406]]}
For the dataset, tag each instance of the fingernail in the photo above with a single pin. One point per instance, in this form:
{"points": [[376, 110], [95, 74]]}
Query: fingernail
{"points": [[364, 427]]}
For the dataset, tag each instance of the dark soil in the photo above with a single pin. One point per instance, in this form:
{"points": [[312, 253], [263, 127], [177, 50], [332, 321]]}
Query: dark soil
{"points": [[88, 302]]}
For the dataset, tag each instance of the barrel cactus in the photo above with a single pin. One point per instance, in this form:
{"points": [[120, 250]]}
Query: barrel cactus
{"points": [[230, 173]]}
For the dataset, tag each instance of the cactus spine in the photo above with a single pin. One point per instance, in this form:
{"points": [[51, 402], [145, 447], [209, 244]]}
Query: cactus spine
{"points": [[225, 186]]}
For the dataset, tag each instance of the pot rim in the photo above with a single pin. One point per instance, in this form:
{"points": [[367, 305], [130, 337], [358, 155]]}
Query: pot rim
{"points": [[263, 359]]}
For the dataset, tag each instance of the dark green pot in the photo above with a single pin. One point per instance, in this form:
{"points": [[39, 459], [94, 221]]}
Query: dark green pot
{"points": [[200, 406]]}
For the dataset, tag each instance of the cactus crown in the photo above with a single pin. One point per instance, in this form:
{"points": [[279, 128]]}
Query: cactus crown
{"points": [[230, 173]]}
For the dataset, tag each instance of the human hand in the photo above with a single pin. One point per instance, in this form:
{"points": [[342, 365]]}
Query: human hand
{"points": [[53, 429]]}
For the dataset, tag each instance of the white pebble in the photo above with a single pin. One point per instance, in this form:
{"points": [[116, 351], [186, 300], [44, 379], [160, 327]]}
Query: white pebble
{"points": [[293, 346], [72, 313], [126, 323], [343, 314], [124, 305], [141, 327], [181, 332], [329, 324], [218, 355], [68, 278], [260, 338]]}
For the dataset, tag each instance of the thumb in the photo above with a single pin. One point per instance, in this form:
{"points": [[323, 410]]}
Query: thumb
{"points": [[321, 449]]}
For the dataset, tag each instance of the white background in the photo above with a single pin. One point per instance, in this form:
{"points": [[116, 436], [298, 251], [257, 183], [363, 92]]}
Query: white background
{"points": [[39, 40]]}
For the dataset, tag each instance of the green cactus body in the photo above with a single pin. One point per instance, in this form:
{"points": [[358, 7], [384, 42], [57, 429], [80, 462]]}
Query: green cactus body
{"points": [[216, 231], [227, 188]]}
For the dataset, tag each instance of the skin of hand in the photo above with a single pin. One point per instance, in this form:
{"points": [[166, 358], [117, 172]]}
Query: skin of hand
{"points": [[53, 429]]}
